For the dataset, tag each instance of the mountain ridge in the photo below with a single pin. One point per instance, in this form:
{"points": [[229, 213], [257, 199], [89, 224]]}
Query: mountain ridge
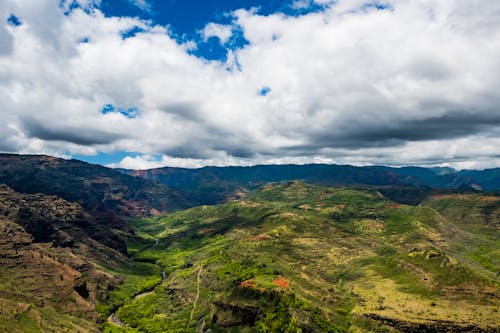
{"points": [[210, 185], [428, 174], [106, 193]]}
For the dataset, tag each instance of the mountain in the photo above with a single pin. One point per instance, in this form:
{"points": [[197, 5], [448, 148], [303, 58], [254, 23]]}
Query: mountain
{"points": [[293, 257], [211, 185], [442, 170], [446, 178], [488, 180], [51, 252], [62, 250], [105, 193], [84, 248]]}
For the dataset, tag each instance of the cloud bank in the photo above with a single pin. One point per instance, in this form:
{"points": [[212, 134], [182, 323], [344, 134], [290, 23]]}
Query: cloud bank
{"points": [[359, 82]]}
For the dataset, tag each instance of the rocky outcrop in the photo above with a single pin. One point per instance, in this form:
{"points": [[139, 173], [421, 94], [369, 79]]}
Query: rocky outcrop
{"points": [[52, 219], [38, 274], [105, 193], [48, 247], [437, 326], [229, 315]]}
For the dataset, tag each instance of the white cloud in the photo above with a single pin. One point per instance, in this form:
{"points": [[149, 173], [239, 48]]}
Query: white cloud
{"points": [[86, 4], [223, 32], [143, 162], [143, 5], [460, 154], [301, 4], [324, 2], [416, 83]]}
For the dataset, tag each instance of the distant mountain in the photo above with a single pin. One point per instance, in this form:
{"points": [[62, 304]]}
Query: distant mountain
{"points": [[211, 185], [488, 180], [105, 193], [446, 178], [442, 170]]}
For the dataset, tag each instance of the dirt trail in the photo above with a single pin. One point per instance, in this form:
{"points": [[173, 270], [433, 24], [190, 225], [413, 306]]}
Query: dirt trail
{"points": [[144, 294], [198, 279]]}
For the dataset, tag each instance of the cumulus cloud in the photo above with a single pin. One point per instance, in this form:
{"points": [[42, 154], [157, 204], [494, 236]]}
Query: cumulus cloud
{"points": [[223, 32], [406, 82]]}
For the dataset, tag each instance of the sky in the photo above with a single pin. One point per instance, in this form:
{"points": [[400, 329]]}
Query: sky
{"points": [[147, 83]]}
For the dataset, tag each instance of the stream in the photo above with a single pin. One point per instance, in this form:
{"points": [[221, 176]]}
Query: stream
{"points": [[113, 318]]}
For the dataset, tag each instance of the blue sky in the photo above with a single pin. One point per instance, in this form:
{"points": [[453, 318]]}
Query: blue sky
{"points": [[142, 83], [186, 18]]}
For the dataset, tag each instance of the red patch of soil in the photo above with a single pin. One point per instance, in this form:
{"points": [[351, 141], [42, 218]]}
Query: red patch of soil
{"points": [[250, 283], [282, 282]]}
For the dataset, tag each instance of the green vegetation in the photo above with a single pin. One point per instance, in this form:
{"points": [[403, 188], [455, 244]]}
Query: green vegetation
{"points": [[293, 257], [21, 317], [288, 257], [475, 233]]}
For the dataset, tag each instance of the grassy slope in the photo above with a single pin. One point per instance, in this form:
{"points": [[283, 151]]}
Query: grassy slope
{"points": [[322, 259], [26, 317], [478, 218]]}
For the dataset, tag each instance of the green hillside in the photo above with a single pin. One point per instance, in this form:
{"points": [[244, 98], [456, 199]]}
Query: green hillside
{"points": [[300, 258]]}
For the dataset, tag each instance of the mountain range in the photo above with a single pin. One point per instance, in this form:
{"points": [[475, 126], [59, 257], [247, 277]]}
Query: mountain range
{"points": [[272, 248], [211, 185]]}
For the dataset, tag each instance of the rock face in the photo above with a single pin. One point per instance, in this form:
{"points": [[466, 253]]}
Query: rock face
{"points": [[47, 250], [235, 315], [52, 219], [430, 327], [105, 193], [56, 221]]}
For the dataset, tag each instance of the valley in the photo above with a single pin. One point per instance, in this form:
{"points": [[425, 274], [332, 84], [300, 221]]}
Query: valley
{"points": [[90, 249], [300, 257]]}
